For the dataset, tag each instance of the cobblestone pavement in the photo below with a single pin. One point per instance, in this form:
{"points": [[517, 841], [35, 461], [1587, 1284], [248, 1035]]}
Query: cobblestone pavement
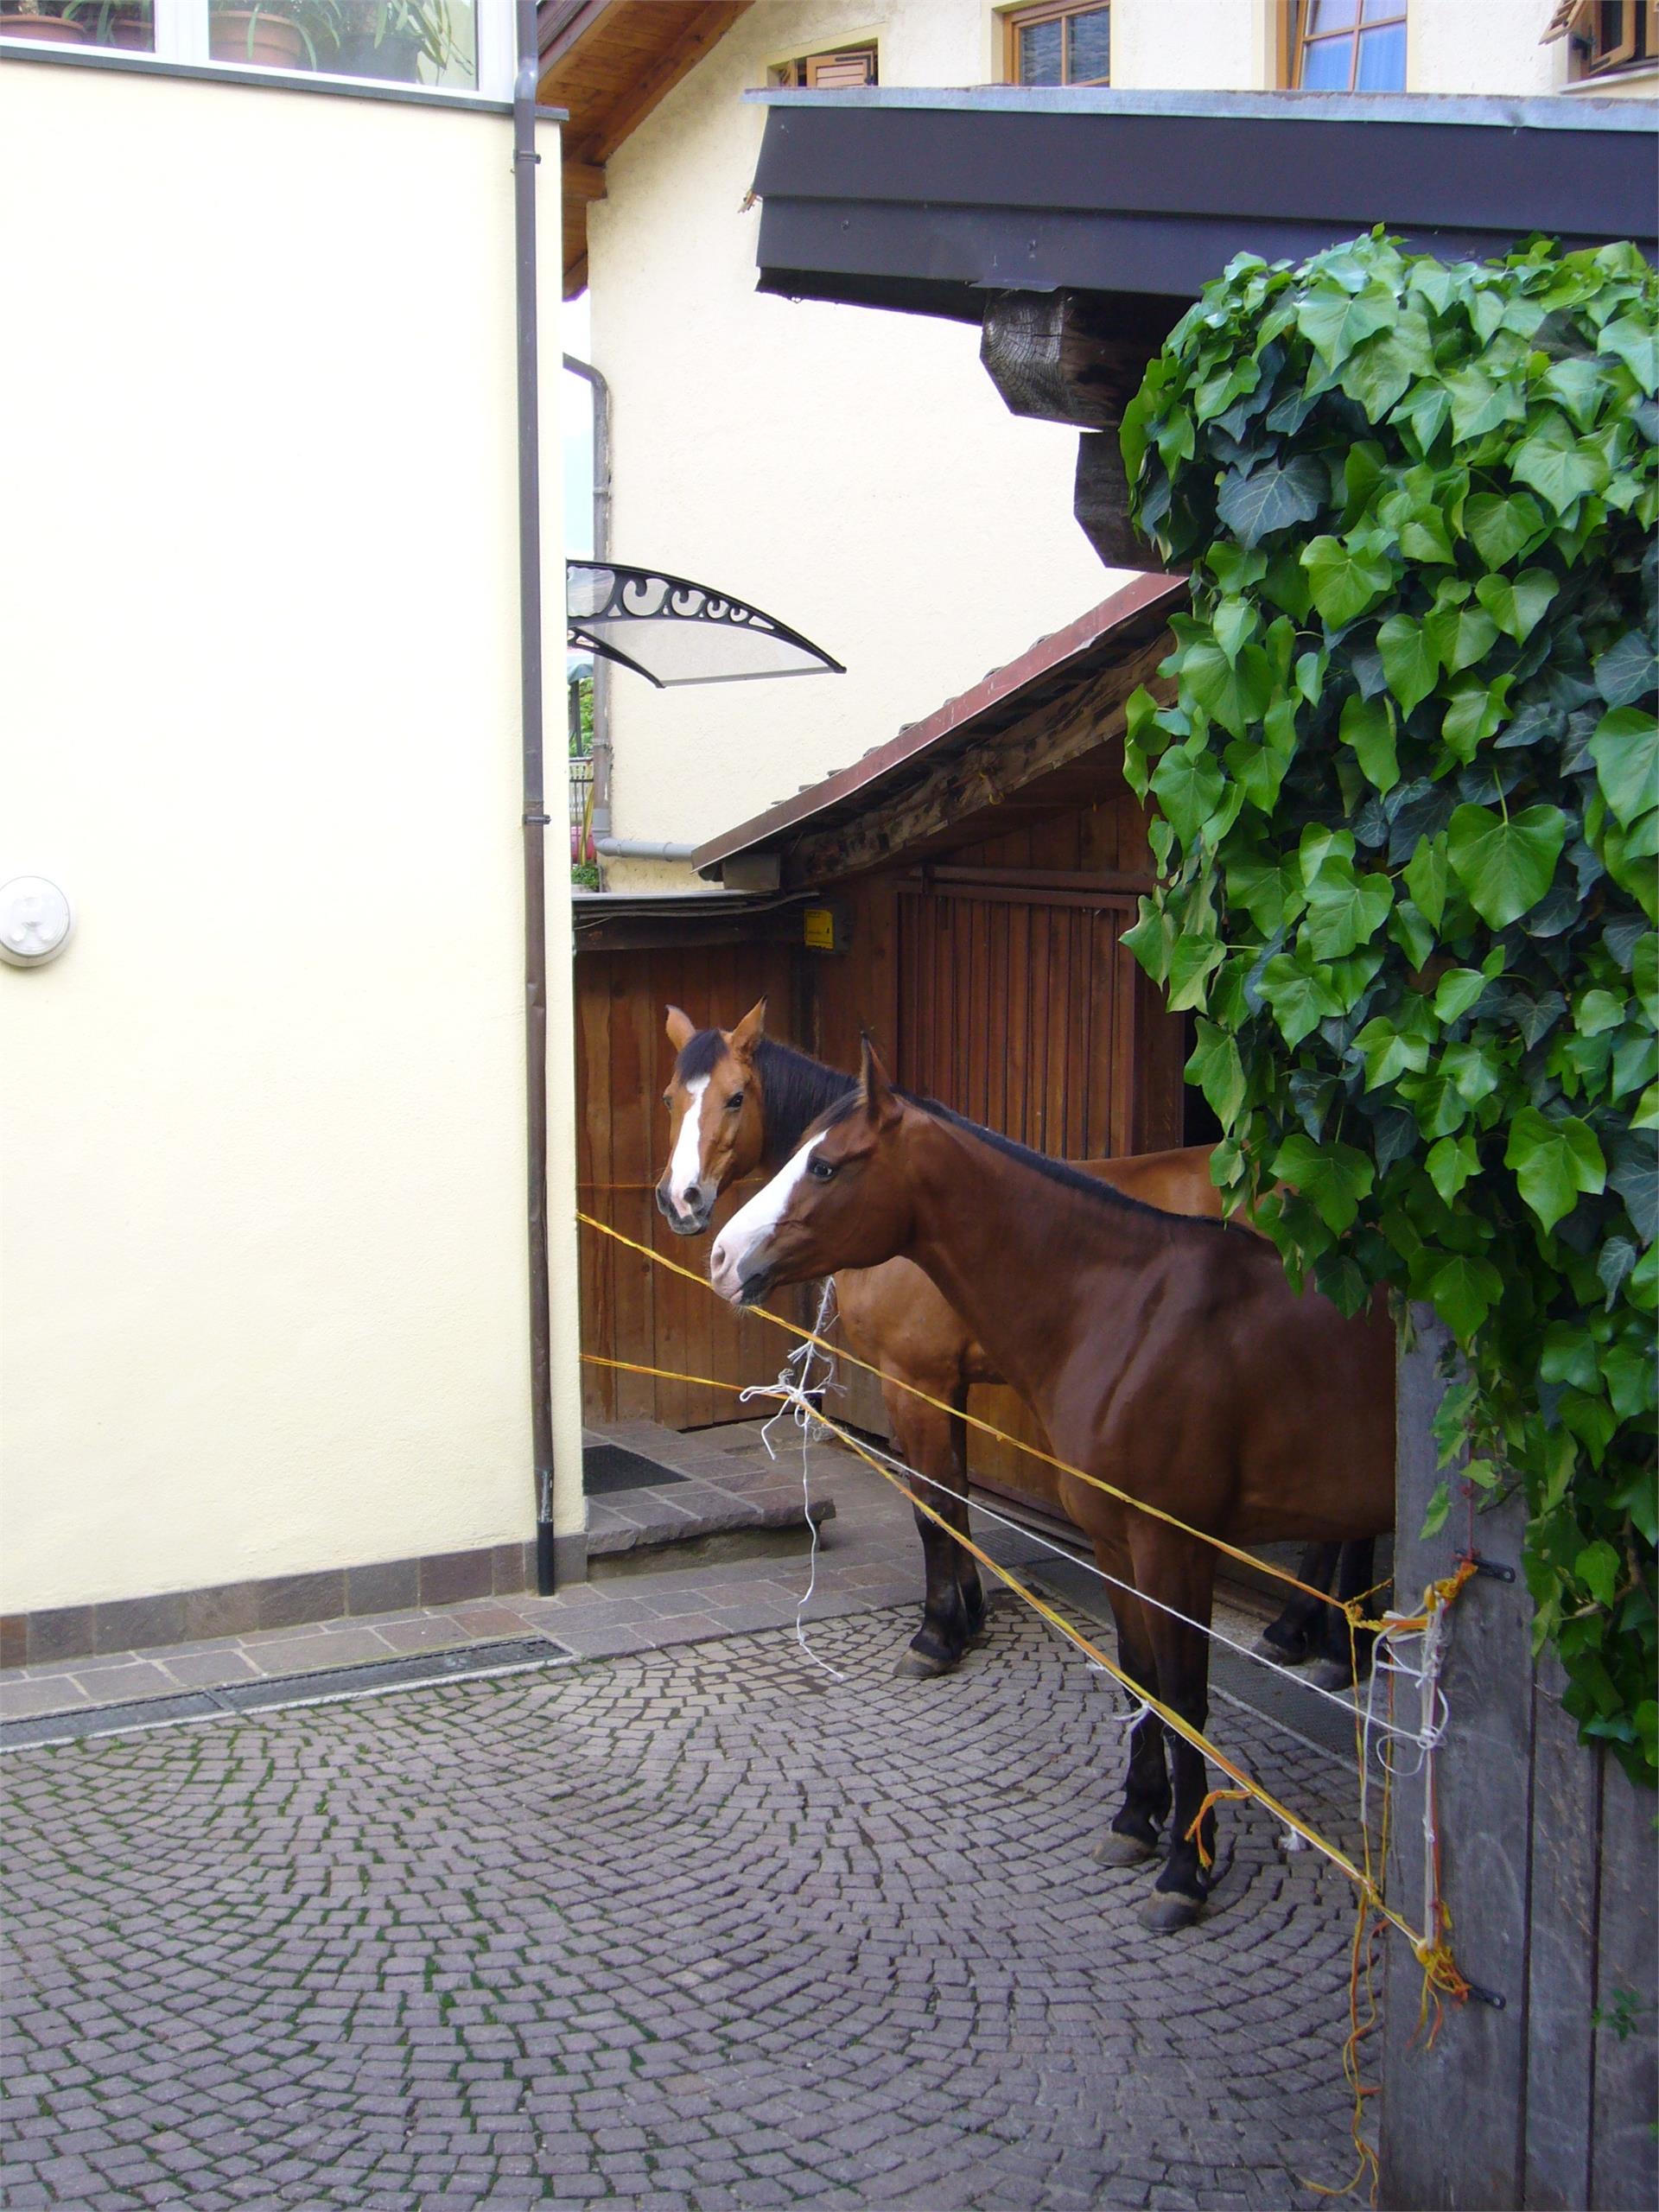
{"points": [[685, 1931]]}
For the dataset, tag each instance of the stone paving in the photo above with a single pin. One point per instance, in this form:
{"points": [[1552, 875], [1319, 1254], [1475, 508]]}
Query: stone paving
{"points": [[687, 1929]]}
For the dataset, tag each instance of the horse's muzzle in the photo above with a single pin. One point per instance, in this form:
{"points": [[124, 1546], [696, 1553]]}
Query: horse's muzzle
{"points": [[695, 1219]]}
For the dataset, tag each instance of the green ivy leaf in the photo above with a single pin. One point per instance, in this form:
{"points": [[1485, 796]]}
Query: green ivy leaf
{"points": [[1625, 749], [1636, 344], [1281, 491], [1335, 1177], [1188, 783], [1234, 693], [1517, 607], [1505, 867], [1501, 527], [1560, 466], [1428, 875], [1459, 634], [1464, 1292], [1554, 1163], [1451, 1163], [1345, 579], [1596, 1566], [1217, 1069], [1434, 1519], [1410, 662], [1300, 992], [1368, 726], [1457, 991], [1346, 909]]}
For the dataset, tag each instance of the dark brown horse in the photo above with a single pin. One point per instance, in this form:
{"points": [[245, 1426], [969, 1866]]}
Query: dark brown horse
{"points": [[738, 1101], [1168, 1357]]}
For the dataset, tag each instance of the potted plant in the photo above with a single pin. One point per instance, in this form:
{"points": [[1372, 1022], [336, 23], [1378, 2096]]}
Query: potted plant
{"points": [[126, 23], [275, 34], [390, 38], [39, 20]]}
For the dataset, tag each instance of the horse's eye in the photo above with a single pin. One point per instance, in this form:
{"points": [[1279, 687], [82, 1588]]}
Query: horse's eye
{"points": [[821, 1170], [734, 1101], [667, 1100]]}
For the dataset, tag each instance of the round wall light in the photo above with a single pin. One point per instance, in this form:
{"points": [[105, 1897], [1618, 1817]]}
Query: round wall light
{"points": [[36, 920]]}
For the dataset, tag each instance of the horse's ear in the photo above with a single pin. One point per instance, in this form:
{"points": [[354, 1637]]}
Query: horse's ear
{"points": [[880, 1103], [679, 1028], [749, 1031]]}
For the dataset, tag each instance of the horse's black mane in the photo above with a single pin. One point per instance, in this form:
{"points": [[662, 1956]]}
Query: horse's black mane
{"points": [[797, 1089], [1053, 1171]]}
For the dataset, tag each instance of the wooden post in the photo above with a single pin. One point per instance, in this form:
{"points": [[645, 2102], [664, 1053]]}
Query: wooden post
{"points": [[1547, 1868]]}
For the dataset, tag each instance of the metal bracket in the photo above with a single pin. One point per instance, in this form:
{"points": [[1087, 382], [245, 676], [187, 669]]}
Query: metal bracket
{"points": [[532, 821], [1489, 1566], [1492, 1997]]}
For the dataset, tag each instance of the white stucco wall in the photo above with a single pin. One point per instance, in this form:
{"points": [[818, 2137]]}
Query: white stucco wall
{"points": [[261, 1131], [853, 472]]}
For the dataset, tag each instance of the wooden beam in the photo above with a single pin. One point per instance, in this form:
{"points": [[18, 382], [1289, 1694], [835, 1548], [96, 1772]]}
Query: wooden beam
{"points": [[982, 776], [1100, 501], [582, 180], [1068, 357]]}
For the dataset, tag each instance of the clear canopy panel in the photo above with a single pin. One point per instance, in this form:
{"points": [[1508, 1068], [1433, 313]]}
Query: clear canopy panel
{"points": [[673, 632]]}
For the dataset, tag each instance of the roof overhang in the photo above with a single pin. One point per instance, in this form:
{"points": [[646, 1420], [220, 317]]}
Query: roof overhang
{"points": [[929, 201], [971, 734]]}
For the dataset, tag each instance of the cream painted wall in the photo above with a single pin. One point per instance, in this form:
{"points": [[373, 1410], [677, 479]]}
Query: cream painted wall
{"points": [[261, 1133], [853, 472]]}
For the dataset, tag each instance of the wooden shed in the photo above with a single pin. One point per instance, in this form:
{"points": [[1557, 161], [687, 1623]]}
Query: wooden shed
{"points": [[962, 891]]}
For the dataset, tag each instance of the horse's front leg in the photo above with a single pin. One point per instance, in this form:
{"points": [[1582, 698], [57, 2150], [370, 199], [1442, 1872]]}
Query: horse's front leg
{"points": [[1182, 1574], [1133, 1837], [930, 1440]]}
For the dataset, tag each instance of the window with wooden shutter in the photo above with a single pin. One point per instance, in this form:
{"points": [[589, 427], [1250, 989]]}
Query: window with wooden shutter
{"points": [[1605, 37], [1060, 42], [839, 72]]}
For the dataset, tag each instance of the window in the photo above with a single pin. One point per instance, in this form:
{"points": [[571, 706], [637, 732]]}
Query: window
{"points": [[1062, 43], [829, 73], [1348, 46], [431, 42], [1605, 37]]}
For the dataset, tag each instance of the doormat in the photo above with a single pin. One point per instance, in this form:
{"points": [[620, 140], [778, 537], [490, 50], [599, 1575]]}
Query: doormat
{"points": [[607, 1467]]}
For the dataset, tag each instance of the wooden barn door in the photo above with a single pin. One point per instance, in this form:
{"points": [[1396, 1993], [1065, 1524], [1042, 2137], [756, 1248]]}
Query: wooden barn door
{"points": [[631, 1310]]}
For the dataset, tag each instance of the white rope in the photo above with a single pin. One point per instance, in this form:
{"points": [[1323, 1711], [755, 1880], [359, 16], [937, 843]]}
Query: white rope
{"points": [[1396, 1661], [795, 1390]]}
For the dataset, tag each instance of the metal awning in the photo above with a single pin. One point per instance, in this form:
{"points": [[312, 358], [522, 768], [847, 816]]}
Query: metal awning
{"points": [[673, 632]]}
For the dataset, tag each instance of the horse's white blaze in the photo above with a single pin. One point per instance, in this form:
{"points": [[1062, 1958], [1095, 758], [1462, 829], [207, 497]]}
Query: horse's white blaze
{"points": [[751, 1225], [686, 1168]]}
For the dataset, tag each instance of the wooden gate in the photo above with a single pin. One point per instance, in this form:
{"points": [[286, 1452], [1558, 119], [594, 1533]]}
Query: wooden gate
{"points": [[630, 1309]]}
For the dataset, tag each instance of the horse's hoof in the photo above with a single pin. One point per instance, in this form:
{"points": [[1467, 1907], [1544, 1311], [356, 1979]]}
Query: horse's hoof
{"points": [[1285, 1654], [1166, 1912], [1117, 1849], [914, 1666], [1331, 1674]]}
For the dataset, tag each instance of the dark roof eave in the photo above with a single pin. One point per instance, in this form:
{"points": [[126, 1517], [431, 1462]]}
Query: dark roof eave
{"points": [[922, 201]]}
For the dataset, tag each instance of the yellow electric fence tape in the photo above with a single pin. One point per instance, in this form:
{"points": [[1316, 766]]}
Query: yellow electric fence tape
{"points": [[1353, 1609]]}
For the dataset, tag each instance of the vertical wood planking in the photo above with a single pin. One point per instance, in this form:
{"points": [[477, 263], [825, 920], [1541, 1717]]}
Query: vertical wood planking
{"points": [[635, 1035], [1562, 1952], [1626, 2092], [594, 1172]]}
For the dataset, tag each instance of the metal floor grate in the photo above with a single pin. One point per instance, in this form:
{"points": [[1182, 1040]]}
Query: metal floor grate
{"points": [[607, 1467], [323, 1685]]}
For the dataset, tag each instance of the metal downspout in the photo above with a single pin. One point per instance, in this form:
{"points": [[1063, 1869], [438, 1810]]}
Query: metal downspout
{"points": [[524, 160], [601, 392]]}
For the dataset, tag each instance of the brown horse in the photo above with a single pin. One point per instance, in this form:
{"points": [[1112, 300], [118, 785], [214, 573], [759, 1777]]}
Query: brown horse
{"points": [[738, 1101], [1168, 1355]]}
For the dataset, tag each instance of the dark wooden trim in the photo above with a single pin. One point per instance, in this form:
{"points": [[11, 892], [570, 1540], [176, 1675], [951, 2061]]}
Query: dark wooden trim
{"points": [[1061, 358], [994, 769], [1037, 879], [1001, 894]]}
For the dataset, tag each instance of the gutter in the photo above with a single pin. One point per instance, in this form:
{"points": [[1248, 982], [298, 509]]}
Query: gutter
{"points": [[633, 849], [535, 816]]}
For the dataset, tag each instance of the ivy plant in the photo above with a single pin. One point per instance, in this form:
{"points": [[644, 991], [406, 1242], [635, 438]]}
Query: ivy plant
{"points": [[1404, 815]]}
